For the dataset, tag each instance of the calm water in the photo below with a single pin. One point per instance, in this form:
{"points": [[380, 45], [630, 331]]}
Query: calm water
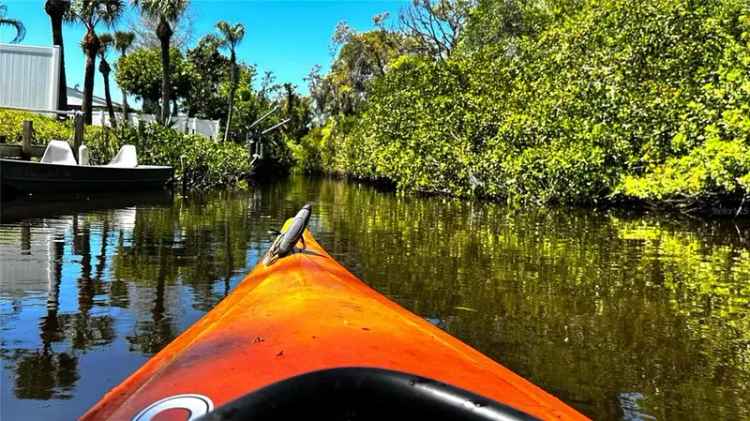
{"points": [[622, 317]]}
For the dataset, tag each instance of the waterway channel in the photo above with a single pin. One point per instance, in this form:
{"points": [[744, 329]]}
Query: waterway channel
{"points": [[623, 316]]}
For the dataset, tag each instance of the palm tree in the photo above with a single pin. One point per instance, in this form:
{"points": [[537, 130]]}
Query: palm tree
{"points": [[231, 38], [123, 41], [166, 12], [106, 40], [15, 23], [56, 9], [90, 13]]}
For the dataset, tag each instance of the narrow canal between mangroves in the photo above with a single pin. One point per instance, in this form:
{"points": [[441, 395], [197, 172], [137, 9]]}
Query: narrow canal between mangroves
{"points": [[623, 317]]}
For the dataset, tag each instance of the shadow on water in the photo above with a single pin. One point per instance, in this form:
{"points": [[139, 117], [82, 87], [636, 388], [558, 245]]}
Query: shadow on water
{"points": [[624, 317], [44, 206]]}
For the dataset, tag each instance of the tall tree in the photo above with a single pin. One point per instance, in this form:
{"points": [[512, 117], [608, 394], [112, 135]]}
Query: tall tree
{"points": [[140, 74], [436, 25], [494, 22], [144, 28], [205, 99], [90, 13], [56, 9], [231, 38], [123, 41], [167, 13], [106, 40], [320, 95], [361, 57], [297, 111], [15, 23]]}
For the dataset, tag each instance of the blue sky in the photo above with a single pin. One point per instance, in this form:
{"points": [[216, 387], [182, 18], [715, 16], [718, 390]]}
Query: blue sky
{"points": [[284, 36]]}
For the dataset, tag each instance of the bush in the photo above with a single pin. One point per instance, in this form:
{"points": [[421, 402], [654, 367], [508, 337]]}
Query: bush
{"points": [[45, 128], [620, 99], [716, 170], [200, 163], [306, 153]]}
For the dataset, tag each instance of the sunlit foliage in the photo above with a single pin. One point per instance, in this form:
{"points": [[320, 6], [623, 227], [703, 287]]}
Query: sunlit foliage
{"points": [[577, 102]]}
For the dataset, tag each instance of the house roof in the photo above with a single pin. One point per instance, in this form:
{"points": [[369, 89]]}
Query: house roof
{"points": [[75, 99]]}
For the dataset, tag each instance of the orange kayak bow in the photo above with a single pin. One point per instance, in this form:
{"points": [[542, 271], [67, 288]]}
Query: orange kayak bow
{"points": [[301, 336]]}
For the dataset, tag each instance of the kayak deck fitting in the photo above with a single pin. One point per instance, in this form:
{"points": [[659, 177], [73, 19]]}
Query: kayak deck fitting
{"points": [[301, 336]]}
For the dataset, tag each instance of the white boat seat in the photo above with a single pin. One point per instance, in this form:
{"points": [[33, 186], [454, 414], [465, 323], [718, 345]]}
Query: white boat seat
{"points": [[125, 158], [83, 155], [59, 152]]}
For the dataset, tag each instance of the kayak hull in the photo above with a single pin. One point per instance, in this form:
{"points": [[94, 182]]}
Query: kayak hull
{"points": [[306, 313]]}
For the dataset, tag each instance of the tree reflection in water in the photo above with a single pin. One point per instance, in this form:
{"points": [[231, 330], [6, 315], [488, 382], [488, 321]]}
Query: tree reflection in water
{"points": [[42, 373], [46, 373], [623, 316]]}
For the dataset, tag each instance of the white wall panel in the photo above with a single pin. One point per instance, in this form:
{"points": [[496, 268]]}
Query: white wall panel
{"points": [[29, 76]]}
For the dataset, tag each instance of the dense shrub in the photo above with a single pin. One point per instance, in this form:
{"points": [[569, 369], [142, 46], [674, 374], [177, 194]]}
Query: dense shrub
{"points": [[45, 128], [200, 163], [615, 100]]}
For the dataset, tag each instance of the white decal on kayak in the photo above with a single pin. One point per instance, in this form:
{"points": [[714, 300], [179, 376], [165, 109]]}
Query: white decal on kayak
{"points": [[197, 405]]}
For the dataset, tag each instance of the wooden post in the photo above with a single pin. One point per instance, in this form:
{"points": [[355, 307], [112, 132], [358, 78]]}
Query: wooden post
{"points": [[77, 134], [141, 128], [28, 130]]}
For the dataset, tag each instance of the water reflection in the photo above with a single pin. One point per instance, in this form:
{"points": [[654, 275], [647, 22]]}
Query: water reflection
{"points": [[43, 373], [592, 306], [629, 317]]}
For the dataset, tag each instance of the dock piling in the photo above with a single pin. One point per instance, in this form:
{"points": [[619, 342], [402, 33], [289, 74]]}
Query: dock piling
{"points": [[77, 134], [28, 132]]}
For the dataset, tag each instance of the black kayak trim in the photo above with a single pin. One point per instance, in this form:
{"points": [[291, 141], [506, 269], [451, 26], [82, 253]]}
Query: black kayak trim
{"points": [[360, 393]]}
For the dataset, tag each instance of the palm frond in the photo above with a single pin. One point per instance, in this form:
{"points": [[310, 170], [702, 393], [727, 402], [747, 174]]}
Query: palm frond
{"points": [[18, 25], [106, 40], [14, 23], [231, 35], [110, 11], [169, 10], [123, 40], [91, 12]]}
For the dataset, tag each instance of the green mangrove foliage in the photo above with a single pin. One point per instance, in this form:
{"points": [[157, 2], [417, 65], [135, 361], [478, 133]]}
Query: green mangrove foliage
{"points": [[578, 102], [200, 163]]}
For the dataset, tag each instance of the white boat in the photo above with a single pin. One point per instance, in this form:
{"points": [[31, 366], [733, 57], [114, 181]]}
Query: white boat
{"points": [[59, 172]]}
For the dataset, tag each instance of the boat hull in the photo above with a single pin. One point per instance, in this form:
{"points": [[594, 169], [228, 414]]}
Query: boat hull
{"points": [[35, 177], [306, 313]]}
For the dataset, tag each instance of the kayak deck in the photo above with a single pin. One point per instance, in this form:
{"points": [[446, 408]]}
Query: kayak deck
{"points": [[306, 313]]}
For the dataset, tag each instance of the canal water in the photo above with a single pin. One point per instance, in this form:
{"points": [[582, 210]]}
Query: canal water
{"points": [[623, 316]]}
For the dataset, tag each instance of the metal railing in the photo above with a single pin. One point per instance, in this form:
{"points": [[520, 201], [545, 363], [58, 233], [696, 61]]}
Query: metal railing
{"points": [[40, 110]]}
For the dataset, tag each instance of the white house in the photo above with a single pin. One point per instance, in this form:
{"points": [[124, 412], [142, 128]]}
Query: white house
{"points": [[75, 100], [29, 78]]}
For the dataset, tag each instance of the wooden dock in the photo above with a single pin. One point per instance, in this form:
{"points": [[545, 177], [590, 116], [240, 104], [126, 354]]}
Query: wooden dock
{"points": [[15, 151]]}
